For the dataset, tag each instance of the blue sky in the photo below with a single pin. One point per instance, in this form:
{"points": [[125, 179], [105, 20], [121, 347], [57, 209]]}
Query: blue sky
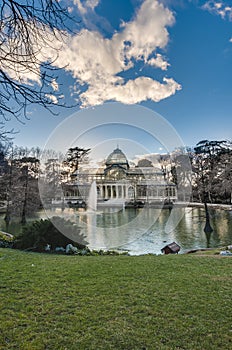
{"points": [[173, 57]]}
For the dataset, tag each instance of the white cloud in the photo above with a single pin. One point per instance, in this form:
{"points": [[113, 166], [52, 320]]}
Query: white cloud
{"points": [[219, 8], [158, 62], [16, 61], [148, 30], [131, 92], [89, 18], [230, 40], [22, 64], [52, 98], [54, 85], [70, 9], [17, 71], [92, 3], [80, 6], [96, 62], [84, 6]]}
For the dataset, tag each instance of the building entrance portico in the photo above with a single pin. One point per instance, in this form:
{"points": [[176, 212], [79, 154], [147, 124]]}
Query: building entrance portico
{"points": [[110, 191]]}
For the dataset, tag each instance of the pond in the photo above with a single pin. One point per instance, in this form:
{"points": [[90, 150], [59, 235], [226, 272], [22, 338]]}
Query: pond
{"points": [[142, 231]]}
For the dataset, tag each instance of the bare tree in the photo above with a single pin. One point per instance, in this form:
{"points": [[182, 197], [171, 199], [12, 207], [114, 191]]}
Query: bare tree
{"points": [[19, 173], [6, 136], [29, 168], [30, 33], [205, 168]]}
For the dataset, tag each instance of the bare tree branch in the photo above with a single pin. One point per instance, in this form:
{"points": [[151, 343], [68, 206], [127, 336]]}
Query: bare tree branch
{"points": [[31, 35]]}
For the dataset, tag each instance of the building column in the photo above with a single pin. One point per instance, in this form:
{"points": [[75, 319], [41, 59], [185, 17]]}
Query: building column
{"points": [[119, 191], [127, 194], [101, 191]]}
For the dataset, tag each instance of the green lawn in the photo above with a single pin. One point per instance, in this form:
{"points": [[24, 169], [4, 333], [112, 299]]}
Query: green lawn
{"points": [[114, 302]]}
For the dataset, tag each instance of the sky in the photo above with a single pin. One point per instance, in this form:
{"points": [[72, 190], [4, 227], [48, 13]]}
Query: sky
{"points": [[169, 57]]}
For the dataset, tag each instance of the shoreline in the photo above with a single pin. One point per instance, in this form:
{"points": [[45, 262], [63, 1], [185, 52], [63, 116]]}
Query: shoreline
{"points": [[201, 205]]}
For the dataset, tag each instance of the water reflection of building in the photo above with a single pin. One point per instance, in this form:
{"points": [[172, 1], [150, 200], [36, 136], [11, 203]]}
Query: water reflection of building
{"points": [[118, 182]]}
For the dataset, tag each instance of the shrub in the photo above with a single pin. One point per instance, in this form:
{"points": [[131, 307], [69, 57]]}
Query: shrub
{"points": [[6, 241], [37, 235]]}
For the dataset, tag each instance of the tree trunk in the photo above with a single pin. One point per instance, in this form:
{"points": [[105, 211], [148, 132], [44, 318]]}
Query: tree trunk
{"points": [[7, 219], [23, 217], [207, 229]]}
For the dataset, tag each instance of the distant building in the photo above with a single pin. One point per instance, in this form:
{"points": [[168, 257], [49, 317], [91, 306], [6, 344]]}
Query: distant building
{"points": [[118, 182]]}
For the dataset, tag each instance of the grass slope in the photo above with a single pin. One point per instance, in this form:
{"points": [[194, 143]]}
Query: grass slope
{"points": [[114, 302]]}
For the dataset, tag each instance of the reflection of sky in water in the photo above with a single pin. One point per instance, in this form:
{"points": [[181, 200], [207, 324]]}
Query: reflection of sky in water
{"points": [[142, 231]]}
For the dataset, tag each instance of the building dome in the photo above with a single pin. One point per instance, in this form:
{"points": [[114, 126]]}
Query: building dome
{"points": [[117, 157]]}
